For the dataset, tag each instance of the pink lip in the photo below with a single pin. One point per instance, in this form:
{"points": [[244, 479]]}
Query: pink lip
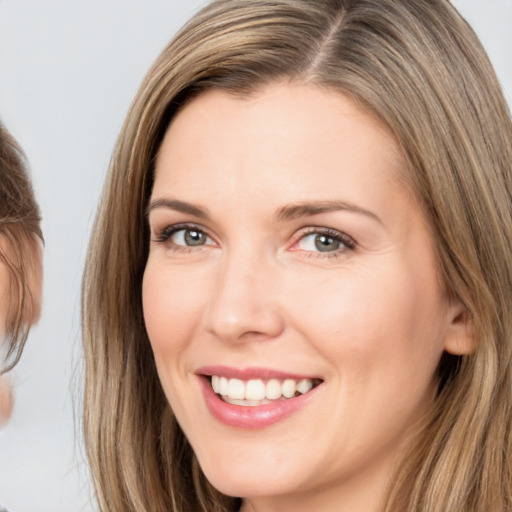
{"points": [[250, 417]]}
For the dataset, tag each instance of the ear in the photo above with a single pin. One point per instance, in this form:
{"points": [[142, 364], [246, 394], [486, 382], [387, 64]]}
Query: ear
{"points": [[460, 339]]}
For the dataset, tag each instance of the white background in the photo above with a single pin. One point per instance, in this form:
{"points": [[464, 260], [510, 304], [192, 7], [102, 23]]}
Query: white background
{"points": [[68, 72]]}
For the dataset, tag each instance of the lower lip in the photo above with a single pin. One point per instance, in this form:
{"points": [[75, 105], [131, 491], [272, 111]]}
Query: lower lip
{"points": [[259, 416]]}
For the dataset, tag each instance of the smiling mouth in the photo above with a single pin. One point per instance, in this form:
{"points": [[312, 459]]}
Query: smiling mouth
{"points": [[255, 392]]}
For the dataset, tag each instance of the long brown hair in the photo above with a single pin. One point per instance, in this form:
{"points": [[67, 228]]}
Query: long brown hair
{"points": [[20, 252], [418, 67]]}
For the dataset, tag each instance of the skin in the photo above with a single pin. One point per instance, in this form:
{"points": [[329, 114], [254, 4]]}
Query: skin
{"points": [[370, 318], [6, 401]]}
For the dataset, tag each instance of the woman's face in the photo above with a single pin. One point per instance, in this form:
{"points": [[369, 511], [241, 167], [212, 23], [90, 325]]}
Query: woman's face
{"points": [[286, 255]]}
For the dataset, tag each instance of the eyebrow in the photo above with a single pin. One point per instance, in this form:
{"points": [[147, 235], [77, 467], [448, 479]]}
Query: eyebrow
{"points": [[285, 213], [179, 206], [294, 211]]}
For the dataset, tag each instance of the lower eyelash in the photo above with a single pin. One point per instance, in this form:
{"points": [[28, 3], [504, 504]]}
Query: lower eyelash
{"points": [[334, 254]]}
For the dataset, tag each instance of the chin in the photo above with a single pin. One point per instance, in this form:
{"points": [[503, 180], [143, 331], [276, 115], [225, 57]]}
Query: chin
{"points": [[249, 479], [242, 487]]}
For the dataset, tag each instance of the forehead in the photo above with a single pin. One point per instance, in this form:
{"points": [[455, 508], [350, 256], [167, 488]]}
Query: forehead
{"points": [[297, 127]]}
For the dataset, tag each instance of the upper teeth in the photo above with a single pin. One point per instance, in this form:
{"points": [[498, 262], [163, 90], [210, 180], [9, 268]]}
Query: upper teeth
{"points": [[257, 389]]}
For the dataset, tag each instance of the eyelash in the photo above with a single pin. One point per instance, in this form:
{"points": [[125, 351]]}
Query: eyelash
{"points": [[348, 243]]}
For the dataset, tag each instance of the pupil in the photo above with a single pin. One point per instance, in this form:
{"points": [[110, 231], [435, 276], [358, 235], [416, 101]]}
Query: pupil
{"points": [[194, 237], [325, 243]]}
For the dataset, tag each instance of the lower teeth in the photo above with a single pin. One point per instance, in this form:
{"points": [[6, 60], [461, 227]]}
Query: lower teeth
{"points": [[253, 403], [246, 403]]}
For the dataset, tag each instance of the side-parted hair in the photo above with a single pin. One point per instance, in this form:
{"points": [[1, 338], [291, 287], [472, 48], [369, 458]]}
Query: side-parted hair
{"points": [[20, 248], [419, 68]]}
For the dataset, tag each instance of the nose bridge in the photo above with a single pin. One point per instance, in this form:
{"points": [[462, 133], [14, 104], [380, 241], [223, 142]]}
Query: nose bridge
{"points": [[243, 304]]}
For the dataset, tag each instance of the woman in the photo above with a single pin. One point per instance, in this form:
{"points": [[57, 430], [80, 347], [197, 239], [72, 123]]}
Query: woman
{"points": [[20, 261], [297, 294]]}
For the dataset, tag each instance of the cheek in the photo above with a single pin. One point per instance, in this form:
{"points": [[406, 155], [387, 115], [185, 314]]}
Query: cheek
{"points": [[172, 306], [369, 322], [6, 401], [381, 337]]}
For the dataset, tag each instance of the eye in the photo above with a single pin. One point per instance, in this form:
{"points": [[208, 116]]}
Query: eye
{"points": [[324, 241], [189, 237], [319, 242], [183, 236]]}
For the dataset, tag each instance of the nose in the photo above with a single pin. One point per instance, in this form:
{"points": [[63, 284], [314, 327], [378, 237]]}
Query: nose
{"points": [[244, 304]]}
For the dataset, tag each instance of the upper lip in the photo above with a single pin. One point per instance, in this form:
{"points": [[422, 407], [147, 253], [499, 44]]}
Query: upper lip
{"points": [[252, 372]]}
